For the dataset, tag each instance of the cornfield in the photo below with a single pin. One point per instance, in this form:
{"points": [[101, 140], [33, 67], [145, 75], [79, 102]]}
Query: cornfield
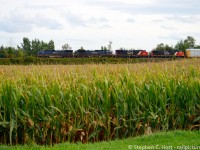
{"points": [[47, 104]]}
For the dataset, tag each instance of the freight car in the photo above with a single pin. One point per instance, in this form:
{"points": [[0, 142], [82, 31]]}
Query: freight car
{"points": [[55, 53], [192, 53], [131, 53], [93, 53], [166, 53]]}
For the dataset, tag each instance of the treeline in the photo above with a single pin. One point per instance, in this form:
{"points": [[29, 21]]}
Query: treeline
{"points": [[181, 45], [26, 49]]}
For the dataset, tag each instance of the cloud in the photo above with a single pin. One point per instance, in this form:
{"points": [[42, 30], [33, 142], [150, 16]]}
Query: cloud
{"points": [[132, 7], [185, 18], [98, 22], [20, 22], [151, 6], [74, 20], [38, 6], [158, 20], [130, 20], [177, 36], [104, 26], [168, 27], [171, 37], [80, 21]]}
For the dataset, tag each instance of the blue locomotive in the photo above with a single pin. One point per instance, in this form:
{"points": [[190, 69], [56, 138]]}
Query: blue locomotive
{"points": [[93, 53], [55, 53]]}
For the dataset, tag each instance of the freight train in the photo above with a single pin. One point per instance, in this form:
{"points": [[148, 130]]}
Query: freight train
{"points": [[119, 53]]}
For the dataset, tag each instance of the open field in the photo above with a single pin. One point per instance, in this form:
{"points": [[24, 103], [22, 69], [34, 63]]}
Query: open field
{"points": [[89, 103]]}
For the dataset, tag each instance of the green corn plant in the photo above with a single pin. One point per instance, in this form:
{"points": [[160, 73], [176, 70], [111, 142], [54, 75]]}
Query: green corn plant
{"points": [[49, 104]]}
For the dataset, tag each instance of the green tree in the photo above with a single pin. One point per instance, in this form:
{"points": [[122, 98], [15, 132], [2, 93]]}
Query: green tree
{"points": [[3, 53], [35, 46], [66, 47], [20, 53], [121, 48], [104, 48], [51, 45], [198, 46], [81, 48], [10, 52], [26, 46], [163, 47], [44, 46], [1, 48], [110, 45], [190, 42], [182, 45]]}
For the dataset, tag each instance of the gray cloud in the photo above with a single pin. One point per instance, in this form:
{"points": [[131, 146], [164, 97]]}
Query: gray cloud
{"points": [[12, 27], [41, 7], [79, 21], [18, 22], [158, 20], [75, 20], [96, 20], [167, 27], [156, 7], [185, 18], [104, 26], [130, 20], [43, 21]]}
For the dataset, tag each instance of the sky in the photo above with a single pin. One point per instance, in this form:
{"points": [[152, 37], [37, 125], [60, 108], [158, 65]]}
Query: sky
{"points": [[90, 24]]}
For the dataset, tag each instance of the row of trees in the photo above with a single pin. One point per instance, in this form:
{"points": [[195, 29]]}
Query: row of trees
{"points": [[31, 47], [27, 48], [10, 52], [182, 45]]}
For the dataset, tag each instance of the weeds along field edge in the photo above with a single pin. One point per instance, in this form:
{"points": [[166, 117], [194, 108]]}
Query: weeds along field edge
{"points": [[89, 103]]}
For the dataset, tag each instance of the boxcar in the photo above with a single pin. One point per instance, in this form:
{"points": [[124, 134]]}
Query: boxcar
{"points": [[192, 52]]}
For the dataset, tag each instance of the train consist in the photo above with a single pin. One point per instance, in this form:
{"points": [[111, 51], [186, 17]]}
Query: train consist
{"points": [[119, 53]]}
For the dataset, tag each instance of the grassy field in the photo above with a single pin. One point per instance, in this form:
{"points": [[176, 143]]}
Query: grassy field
{"points": [[182, 140], [47, 104]]}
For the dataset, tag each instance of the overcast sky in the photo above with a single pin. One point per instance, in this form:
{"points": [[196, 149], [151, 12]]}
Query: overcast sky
{"points": [[140, 24]]}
